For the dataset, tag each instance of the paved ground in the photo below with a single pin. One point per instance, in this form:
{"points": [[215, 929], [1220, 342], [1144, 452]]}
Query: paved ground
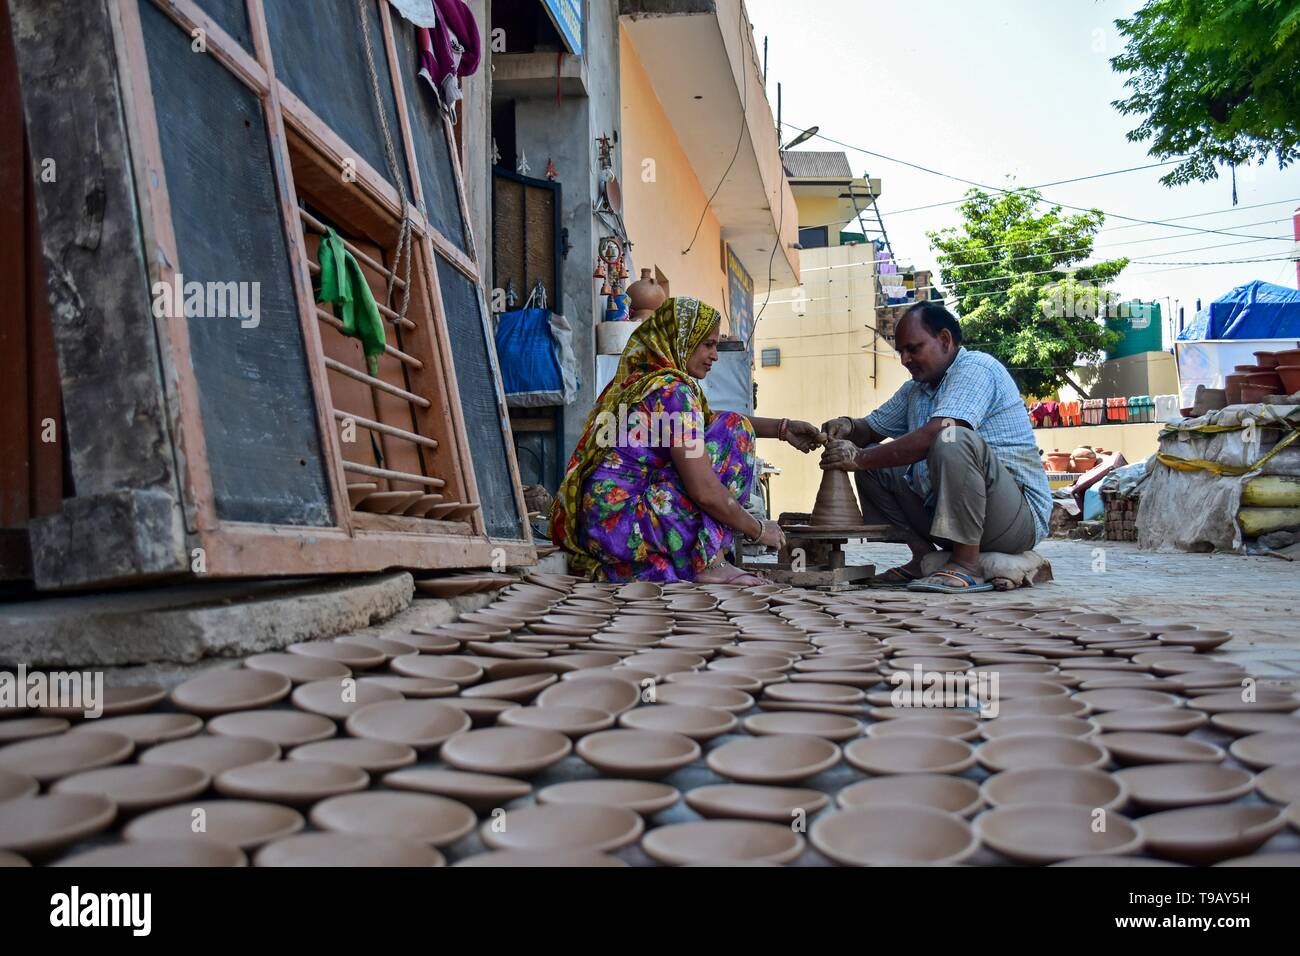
{"points": [[1256, 598]]}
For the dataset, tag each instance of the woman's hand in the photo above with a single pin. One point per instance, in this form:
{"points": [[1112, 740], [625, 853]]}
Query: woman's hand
{"points": [[840, 456], [804, 436], [772, 536], [838, 428]]}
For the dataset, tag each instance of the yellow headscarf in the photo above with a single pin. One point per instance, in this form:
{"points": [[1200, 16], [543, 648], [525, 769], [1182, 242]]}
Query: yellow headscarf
{"points": [[655, 356]]}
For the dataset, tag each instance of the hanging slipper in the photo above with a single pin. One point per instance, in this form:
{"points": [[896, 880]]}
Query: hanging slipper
{"points": [[949, 581]]}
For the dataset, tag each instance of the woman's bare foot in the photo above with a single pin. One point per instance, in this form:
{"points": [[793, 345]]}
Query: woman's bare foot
{"points": [[726, 573]]}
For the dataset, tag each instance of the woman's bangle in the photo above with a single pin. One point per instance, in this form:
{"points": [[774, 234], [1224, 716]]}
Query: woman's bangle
{"points": [[754, 537], [781, 429]]}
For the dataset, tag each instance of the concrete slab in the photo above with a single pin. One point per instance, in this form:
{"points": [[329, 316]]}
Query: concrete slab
{"points": [[181, 625]]}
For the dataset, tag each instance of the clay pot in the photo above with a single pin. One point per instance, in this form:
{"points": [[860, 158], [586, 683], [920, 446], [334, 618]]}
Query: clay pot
{"points": [[1057, 460], [646, 295], [1232, 386], [1266, 359], [1290, 376], [1271, 379], [1255, 394], [1287, 357]]}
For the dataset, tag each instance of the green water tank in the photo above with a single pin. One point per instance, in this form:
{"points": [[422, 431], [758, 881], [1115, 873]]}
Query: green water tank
{"points": [[1141, 325]]}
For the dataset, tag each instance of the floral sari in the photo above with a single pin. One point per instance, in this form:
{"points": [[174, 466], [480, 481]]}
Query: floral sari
{"points": [[622, 512]]}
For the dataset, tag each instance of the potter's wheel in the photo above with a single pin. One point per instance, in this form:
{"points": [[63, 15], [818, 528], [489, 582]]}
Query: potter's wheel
{"points": [[816, 532]]}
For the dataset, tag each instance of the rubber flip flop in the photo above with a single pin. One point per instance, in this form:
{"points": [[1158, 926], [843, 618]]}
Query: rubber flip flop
{"points": [[902, 578], [933, 584]]}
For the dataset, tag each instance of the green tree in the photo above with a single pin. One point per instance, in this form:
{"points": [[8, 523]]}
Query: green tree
{"points": [[1215, 81], [1020, 295]]}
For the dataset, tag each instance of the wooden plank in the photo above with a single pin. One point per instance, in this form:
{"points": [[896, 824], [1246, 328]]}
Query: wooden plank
{"points": [[45, 390], [255, 550], [15, 414], [385, 429], [376, 383], [180, 384], [392, 475], [74, 95], [398, 354], [302, 284]]}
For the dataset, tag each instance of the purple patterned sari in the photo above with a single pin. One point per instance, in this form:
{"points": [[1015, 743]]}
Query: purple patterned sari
{"points": [[638, 520]]}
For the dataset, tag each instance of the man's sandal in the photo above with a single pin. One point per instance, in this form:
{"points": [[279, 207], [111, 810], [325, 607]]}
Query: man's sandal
{"points": [[950, 582], [897, 578]]}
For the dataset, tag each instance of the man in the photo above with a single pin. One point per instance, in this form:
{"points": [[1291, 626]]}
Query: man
{"points": [[962, 473]]}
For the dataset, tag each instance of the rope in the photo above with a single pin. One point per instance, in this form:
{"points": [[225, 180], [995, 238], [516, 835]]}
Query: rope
{"points": [[402, 254]]}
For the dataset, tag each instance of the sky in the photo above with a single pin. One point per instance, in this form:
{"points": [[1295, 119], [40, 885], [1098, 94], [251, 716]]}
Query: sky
{"points": [[1013, 92]]}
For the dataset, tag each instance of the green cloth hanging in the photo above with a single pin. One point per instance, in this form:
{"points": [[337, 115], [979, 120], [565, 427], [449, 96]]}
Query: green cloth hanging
{"points": [[343, 285]]}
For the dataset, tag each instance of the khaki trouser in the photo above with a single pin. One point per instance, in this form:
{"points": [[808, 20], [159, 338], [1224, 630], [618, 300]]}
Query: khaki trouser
{"points": [[976, 499]]}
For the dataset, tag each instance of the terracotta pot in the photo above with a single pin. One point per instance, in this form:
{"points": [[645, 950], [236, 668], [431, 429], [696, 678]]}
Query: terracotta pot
{"points": [[646, 295], [1255, 394], [1266, 359], [1247, 369], [1288, 357], [1232, 385], [1083, 459], [1057, 460], [1269, 379], [1290, 375]]}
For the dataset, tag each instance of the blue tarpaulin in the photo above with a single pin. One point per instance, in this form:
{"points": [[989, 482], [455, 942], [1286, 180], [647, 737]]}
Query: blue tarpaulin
{"points": [[1256, 310]]}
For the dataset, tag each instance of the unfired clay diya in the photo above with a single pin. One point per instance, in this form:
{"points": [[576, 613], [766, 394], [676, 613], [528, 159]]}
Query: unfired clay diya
{"points": [[212, 754], [241, 823], [1073, 786], [893, 835], [561, 826], [938, 791], [720, 841], [414, 817]]}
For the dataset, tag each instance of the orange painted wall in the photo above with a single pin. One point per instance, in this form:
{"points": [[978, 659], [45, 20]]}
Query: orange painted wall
{"points": [[662, 198]]}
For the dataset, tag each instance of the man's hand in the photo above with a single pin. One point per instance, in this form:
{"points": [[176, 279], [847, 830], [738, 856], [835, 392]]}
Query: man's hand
{"points": [[840, 455], [803, 436], [838, 428]]}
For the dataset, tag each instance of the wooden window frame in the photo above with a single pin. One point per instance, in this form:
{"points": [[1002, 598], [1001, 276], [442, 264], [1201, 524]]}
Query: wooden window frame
{"points": [[357, 541]]}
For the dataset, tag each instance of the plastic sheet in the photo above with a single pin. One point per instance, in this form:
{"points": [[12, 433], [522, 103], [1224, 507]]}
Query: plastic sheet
{"points": [[1193, 495]]}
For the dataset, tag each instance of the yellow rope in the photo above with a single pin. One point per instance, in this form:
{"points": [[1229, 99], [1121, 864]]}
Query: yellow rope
{"points": [[1200, 464]]}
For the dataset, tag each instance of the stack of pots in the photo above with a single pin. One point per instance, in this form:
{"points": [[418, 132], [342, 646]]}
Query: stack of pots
{"points": [[1275, 373], [1287, 366]]}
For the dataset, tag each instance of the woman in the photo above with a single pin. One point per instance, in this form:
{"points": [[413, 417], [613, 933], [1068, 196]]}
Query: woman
{"points": [[653, 491]]}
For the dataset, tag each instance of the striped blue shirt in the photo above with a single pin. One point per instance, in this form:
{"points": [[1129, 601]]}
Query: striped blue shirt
{"points": [[976, 389]]}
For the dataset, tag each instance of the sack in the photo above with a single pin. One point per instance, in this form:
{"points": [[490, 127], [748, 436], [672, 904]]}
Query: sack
{"points": [[533, 348]]}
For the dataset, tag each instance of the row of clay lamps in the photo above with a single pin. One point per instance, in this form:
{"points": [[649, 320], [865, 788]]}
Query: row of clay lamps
{"points": [[577, 723]]}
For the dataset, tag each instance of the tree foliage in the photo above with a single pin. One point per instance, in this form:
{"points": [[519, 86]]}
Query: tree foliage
{"points": [[1020, 294], [1215, 81]]}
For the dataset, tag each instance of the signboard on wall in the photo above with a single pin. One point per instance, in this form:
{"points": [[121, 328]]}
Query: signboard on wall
{"points": [[740, 294], [567, 17]]}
